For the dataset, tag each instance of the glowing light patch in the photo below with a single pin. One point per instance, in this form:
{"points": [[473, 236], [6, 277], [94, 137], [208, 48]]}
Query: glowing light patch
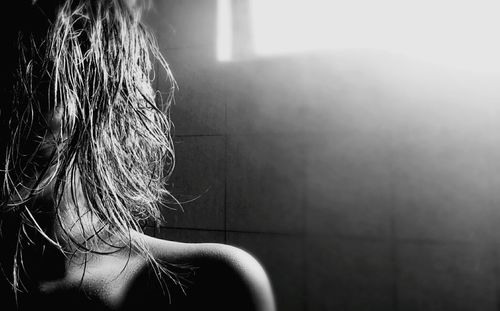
{"points": [[224, 30], [462, 33]]}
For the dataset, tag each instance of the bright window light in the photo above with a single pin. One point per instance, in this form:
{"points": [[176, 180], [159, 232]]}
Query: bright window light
{"points": [[458, 32], [224, 30], [462, 32], [286, 26]]}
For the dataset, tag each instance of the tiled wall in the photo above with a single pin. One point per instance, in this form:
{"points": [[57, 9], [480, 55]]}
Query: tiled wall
{"points": [[360, 183]]}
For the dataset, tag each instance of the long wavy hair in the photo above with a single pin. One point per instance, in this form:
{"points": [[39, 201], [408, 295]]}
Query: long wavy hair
{"points": [[86, 137]]}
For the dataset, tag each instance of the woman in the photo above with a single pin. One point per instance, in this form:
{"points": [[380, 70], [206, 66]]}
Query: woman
{"points": [[86, 155]]}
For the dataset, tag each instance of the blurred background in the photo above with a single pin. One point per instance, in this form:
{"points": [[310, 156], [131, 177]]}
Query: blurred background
{"points": [[352, 146]]}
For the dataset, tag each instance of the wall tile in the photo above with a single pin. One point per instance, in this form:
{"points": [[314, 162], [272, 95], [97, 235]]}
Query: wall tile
{"points": [[445, 277], [348, 184], [198, 183], [282, 256], [443, 186], [301, 93], [265, 183], [200, 96], [265, 96], [349, 274], [183, 23]]}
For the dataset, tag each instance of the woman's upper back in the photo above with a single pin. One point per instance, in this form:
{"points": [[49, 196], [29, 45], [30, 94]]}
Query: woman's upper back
{"points": [[201, 276]]}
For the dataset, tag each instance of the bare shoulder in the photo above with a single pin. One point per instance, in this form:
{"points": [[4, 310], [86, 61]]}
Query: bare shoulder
{"points": [[225, 276], [247, 270]]}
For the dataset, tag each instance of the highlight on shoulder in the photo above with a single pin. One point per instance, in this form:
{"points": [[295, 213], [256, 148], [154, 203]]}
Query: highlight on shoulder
{"points": [[223, 276]]}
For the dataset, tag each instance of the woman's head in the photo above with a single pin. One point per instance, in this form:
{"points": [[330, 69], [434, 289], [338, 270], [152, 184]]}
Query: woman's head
{"points": [[86, 130]]}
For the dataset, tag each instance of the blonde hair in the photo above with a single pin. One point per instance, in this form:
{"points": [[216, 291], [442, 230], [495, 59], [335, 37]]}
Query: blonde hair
{"points": [[87, 128]]}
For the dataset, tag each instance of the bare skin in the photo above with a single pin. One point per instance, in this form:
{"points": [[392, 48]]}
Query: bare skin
{"points": [[213, 277]]}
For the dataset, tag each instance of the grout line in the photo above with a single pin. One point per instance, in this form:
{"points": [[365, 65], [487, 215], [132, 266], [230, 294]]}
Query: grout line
{"points": [[226, 157], [305, 199], [393, 234], [339, 236], [199, 135], [394, 261], [291, 234], [496, 272]]}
